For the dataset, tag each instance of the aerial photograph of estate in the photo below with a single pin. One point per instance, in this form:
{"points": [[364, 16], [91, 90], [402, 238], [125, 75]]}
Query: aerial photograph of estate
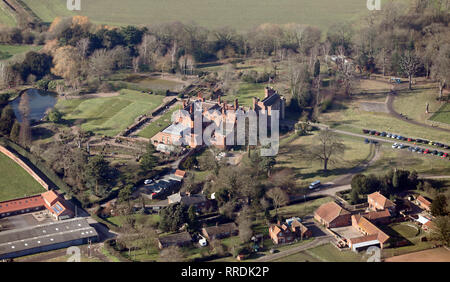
{"points": [[215, 132]]}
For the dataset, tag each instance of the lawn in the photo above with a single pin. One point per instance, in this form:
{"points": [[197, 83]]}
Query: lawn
{"points": [[443, 114], [118, 220], [161, 123], [403, 159], [16, 182], [245, 94], [302, 209], [238, 14], [353, 118], [413, 105], [305, 170], [109, 115], [8, 51], [324, 253], [5, 17]]}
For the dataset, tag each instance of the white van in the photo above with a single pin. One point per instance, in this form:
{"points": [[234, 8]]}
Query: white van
{"points": [[315, 184]]}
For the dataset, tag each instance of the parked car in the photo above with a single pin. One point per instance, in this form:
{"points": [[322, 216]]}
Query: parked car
{"points": [[148, 181], [394, 146], [394, 136], [426, 151], [373, 142], [365, 131], [383, 134], [388, 135], [366, 141], [372, 132], [401, 146], [445, 155], [315, 184]]}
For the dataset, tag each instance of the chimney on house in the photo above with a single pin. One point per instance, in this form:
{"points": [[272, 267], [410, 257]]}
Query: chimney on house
{"points": [[268, 91]]}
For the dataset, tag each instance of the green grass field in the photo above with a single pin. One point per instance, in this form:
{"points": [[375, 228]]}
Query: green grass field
{"points": [[156, 126], [109, 115], [403, 159], [306, 170], [443, 114], [240, 14], [15, 181], [8, 51], [5, 17]]}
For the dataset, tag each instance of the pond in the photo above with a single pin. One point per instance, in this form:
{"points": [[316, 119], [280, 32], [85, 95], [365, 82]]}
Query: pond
{"points": [[40, 101]]}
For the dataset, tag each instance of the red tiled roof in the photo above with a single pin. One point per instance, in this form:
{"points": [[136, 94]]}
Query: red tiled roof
{"points": [[424, 201], [50, 196], [381, 200], [363, 239], [369, 228], [377, 214], [21, 204], [180, 173], [330, 211]]}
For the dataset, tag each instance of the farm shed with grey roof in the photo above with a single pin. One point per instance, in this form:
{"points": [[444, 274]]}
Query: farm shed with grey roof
{"points": [[45, 237]]}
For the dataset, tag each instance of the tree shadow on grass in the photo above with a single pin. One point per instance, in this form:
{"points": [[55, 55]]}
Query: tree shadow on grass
{"points": [[39, 133]]}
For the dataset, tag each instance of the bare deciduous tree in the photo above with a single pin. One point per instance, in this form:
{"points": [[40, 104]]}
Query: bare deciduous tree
{"points": [[409, 64], [329, 147], [279, 197]]}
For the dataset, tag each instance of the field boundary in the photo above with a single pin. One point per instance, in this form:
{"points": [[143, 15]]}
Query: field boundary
{"points": [[22, 164]]}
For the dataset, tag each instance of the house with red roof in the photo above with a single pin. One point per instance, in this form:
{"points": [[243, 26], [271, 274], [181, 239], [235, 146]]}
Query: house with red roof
{"points": [[49, 200], [378, 202], [332, 215]]}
